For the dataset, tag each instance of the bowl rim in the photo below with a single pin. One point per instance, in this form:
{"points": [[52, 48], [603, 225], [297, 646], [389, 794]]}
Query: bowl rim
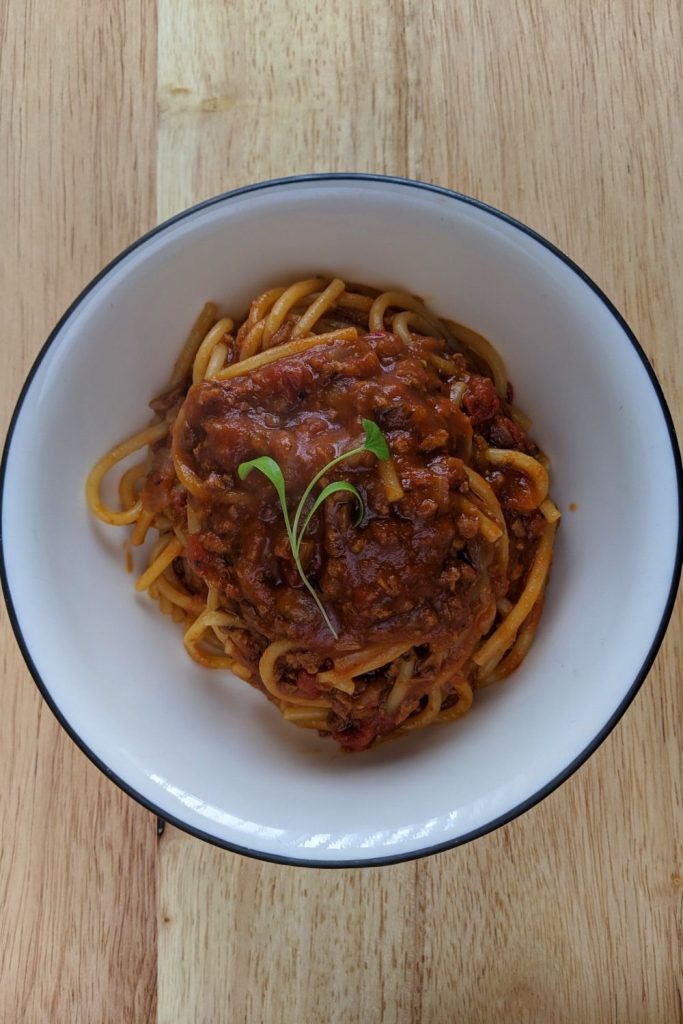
{"points": [[601, 735]]}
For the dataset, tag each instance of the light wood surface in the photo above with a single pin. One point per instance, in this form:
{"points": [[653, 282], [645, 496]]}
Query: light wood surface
{"points": [[568, 115]]}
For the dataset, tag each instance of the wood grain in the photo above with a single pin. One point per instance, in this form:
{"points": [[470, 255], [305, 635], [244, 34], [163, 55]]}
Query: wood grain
{"points": [[77, 857], [567, 116]]}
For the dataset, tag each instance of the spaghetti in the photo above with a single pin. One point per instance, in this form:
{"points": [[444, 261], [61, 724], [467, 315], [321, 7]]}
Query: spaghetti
{"points": [[429, 565]]}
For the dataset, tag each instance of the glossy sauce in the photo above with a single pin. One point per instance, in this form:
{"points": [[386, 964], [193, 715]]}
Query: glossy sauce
{"points": [[413, 570]]}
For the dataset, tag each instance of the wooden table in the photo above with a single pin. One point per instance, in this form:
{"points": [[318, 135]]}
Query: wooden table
{"points": [[567, 115]]}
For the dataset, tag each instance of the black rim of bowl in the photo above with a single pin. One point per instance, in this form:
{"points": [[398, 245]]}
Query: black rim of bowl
{"points": [[606, 728]]}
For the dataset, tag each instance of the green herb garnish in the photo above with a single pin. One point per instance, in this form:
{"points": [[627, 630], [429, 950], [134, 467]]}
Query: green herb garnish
{"points": [[375, 442]]}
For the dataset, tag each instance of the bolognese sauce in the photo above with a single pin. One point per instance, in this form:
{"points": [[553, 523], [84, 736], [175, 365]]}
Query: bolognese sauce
{"points": [[402, 592]]}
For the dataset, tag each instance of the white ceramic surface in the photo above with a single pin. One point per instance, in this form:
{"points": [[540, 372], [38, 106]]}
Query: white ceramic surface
{"points": [[202, 748]]}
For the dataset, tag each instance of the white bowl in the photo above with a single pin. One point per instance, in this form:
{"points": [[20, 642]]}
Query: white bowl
{"points": [[204, 750]]}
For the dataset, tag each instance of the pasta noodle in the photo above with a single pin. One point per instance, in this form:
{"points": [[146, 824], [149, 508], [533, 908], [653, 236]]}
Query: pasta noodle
{"points": [[414, 568]]}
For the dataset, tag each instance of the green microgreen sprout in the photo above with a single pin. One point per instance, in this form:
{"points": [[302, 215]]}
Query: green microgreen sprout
{"points": [[374, 442]]}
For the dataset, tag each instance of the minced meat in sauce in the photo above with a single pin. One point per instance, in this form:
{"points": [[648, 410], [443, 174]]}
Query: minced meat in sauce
{"points": [[415, 570]]}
